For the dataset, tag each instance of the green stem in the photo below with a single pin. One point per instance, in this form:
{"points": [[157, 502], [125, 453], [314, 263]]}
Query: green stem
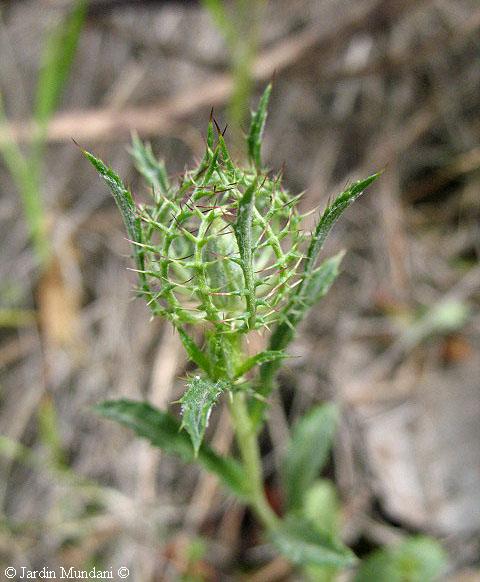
{"points": [[246, 437]]}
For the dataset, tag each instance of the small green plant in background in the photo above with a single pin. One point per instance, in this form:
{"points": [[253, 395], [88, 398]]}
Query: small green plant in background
{"points": [[222, 255], [239, 24], [26, 168]]}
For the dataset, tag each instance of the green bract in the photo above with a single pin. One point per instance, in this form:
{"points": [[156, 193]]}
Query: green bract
{"points": [[222, 247]]}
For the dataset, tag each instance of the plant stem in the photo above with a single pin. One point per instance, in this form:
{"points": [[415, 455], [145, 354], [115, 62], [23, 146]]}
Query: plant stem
{"points": [[246, 437]]}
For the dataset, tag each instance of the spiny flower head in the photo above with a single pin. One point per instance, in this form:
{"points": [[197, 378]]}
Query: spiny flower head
{"points": [[224, 246]]}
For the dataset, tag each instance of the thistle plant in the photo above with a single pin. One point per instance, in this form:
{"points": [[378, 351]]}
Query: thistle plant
{"points": [[222, 255]]}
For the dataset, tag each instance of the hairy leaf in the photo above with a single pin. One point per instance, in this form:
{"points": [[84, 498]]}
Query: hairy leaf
{"points": [[298, 540], [417, 559], [307, 452], [152, 170], [197, 403], [330, 216], [254, 138], [243, 234], [121, 194], [162, 430]]}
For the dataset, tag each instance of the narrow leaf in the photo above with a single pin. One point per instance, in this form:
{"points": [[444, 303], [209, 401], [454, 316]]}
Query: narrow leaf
{"points": [[320, 280], [193, 351], [330, 216], [243, 234], [121, 194], [257, 125], [307, 452], [260, 358], [197, 403], [152, 170], [57, 62], [27, 184], [302, 544], [162, 430]]}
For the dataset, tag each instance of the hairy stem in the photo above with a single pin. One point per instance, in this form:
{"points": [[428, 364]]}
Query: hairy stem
{"points": [[246, 437]]}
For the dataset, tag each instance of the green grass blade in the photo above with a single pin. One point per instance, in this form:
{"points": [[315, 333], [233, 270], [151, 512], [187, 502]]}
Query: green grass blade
{"points": [[257, 125], [26, 182], [220, 17], [162, 430], [307, 452], [57, 62]]}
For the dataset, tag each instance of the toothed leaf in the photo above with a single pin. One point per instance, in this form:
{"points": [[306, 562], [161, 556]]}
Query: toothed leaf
{"points": [[197, 403], [331, 214], [122, 196], [162, 430]]}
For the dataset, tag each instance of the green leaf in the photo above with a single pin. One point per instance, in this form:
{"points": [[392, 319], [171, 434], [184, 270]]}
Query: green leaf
{"points": [[321, 279], [298, 540], [257, 125], [284, 332], [57, 62], [322, 508], [260, 358], [243, 234], [193, 351], [197, 403], [418, 559], [152, 170], [307, 452], [121, 194], [163, 430], [124, 201], [27, 184], [330, 216]]}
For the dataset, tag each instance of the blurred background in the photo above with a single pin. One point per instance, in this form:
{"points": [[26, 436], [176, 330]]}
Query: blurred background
{"points": [[360, 85]]}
